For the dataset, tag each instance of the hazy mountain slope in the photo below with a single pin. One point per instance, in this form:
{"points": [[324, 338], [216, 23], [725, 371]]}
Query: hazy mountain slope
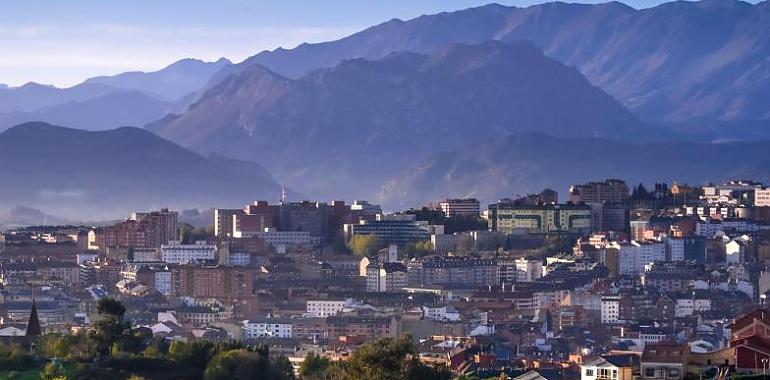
{"points": [[681, 61], [172, 82], [33, 96], [75, 173], [115, 109], [363, 120], [529, 162]]}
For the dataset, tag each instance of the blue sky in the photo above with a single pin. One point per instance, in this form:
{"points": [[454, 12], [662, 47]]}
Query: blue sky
{"points": [[64, 42]]}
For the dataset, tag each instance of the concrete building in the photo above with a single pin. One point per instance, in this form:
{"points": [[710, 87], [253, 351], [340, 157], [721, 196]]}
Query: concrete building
{"points": [[528, 270], [282, 241], [267, 328], [633, 257], [141, 230], [460, 207], [392, 229], [608, 191], [610, 312], [224, 220], [216, 281], [386, 277], [327, 308], [177, 253], [437, 270], [511, 218], [762, 197]]}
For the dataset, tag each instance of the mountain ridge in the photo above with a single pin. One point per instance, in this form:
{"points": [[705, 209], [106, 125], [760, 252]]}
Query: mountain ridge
{"points": [[361, 109], [105, 174], [641, 57]]}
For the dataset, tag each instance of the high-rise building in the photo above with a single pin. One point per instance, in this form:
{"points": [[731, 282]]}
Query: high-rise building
{"points": [[224, 219], [255, 217], [460, 207], [609, 190], [142, 230]]}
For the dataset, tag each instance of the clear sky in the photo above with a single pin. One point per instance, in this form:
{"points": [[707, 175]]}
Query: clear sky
{"points": [[63, 42]]}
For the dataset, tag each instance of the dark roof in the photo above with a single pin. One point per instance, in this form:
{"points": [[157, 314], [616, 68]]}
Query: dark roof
{"points": [[33, 326], [624, 360], [665, 353]]}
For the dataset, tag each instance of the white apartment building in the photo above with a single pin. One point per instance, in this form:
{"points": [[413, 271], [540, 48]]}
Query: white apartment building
{"points": [[267, 328], [528, 270], [281, 240], [441, 313], [686, 307], [177, 253], [633, 257], [327, 308], [610, 309]]}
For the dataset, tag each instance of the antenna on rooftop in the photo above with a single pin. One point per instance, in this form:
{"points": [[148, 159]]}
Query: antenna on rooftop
{"points": [[283, 195]]}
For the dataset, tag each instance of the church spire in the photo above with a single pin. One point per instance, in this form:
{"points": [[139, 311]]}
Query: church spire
{"points": [[33, 326]]}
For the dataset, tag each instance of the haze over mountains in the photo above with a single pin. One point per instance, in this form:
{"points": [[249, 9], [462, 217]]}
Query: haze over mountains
{"points": [[91, 175], [678, 61], [368, 119], [100, 103], [529, 162], [441, 105]]}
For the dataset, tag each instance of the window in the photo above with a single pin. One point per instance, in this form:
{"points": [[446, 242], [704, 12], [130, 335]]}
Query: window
{"points": [[589, 372], [649, 372]]}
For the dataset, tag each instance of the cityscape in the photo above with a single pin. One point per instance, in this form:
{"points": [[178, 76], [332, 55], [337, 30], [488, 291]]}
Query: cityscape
{"points": [[521, 191]]}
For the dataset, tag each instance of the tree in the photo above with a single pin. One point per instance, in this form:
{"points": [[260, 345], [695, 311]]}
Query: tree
{"points": [[52, 371], [110, 327], [364, 245], [110, 307], [241, 364], [421, 248], [314, 366], [284, 367], [391, 359], [67, 347], [194, 355], [189, 234]]}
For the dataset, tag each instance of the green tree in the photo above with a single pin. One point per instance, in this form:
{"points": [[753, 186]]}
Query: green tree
{"points": [[195, 354], [110, 327], [189, 234], [284, 367], [314, 367], [52, 371], [364, 245], [391, 359], [241, 364]]}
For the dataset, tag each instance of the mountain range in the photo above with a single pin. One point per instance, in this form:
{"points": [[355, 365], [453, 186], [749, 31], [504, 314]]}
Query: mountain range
{"points": [[482, 102], [106, 102], [106, 174], [702, 61], [529, 162], [364, 120]]}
